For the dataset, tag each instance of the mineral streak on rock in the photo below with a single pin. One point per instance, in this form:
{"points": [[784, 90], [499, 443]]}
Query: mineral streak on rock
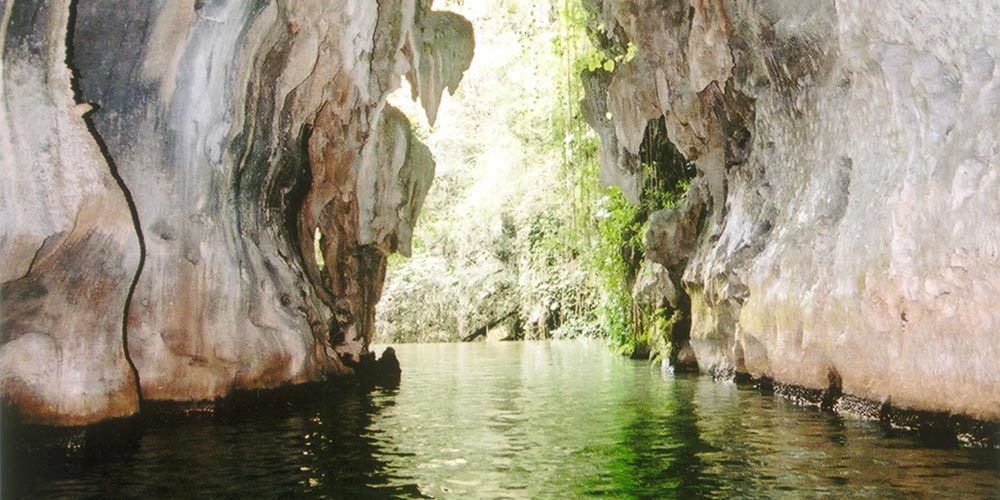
{"points": [[848, 157], [240, 130], [68, 248]]}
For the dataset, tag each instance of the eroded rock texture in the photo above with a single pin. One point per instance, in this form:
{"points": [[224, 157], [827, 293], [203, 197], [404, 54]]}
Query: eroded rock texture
{"points": [[850, 170], [243, 132], [68, 248]]}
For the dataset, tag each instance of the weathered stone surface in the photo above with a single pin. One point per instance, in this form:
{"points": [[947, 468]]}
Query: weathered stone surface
{"points": [[68, 248], [619, 167], [242, 130], [392, 187], [443, 45], [850, 158], [654, 287], [673, 233]]}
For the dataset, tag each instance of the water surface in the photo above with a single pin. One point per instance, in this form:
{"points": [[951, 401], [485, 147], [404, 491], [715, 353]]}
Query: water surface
{"points": [[519, 420]]}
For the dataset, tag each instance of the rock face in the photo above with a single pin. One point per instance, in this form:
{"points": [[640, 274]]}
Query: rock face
{"points": [[251, 138], [68, 249], [849, 152]]}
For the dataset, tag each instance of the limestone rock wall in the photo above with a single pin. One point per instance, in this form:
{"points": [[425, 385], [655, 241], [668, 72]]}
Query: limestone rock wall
{"points": [[247, 135], [849, 151], [68, 248]]}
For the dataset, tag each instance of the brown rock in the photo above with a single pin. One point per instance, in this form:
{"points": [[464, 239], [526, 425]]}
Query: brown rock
{"points": [[240, 132]]}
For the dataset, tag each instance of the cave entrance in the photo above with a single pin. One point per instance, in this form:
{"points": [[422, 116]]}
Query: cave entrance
{"points": [[522, 236], [660, 318]]}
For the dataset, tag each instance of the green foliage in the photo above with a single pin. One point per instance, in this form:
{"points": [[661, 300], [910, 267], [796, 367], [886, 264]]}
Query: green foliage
{"points": [[616, 256], [509, 214], [656, 332], [604, 228], [658, 199], [516, 217], [619, 245], [504, 245]]}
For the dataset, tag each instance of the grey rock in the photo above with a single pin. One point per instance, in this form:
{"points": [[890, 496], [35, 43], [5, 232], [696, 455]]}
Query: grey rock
{"points": [[850, 159]]}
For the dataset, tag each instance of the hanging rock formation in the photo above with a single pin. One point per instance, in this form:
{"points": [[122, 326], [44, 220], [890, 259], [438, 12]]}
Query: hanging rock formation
{"points": [[849, 168], [245, 135]]}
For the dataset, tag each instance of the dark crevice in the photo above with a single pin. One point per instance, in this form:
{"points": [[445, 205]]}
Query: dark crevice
{"points": [[126, 193], [666, 176], [665, 168], [682, 356], [374, 40], [295, 194], [833, 392]]}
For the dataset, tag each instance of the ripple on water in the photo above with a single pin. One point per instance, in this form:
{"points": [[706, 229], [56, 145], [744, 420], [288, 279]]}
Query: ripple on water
{"points": [[519, 420]]}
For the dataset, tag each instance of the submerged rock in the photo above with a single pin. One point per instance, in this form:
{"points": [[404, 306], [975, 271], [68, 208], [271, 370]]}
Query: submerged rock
{"points": [[385, 371], [849, 156], [245, 135]]}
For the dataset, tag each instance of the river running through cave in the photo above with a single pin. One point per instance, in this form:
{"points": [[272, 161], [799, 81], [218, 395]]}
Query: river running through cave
{"points": [[520, 420]]}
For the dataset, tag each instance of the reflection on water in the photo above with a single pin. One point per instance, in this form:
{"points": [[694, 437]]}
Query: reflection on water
{"points": [[518, 420]]}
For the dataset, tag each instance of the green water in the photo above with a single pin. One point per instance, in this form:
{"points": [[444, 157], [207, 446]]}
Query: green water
{"points": [[524, 420]]}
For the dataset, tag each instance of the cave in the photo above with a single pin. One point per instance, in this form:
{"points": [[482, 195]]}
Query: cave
{"points": [[604, 247]]}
